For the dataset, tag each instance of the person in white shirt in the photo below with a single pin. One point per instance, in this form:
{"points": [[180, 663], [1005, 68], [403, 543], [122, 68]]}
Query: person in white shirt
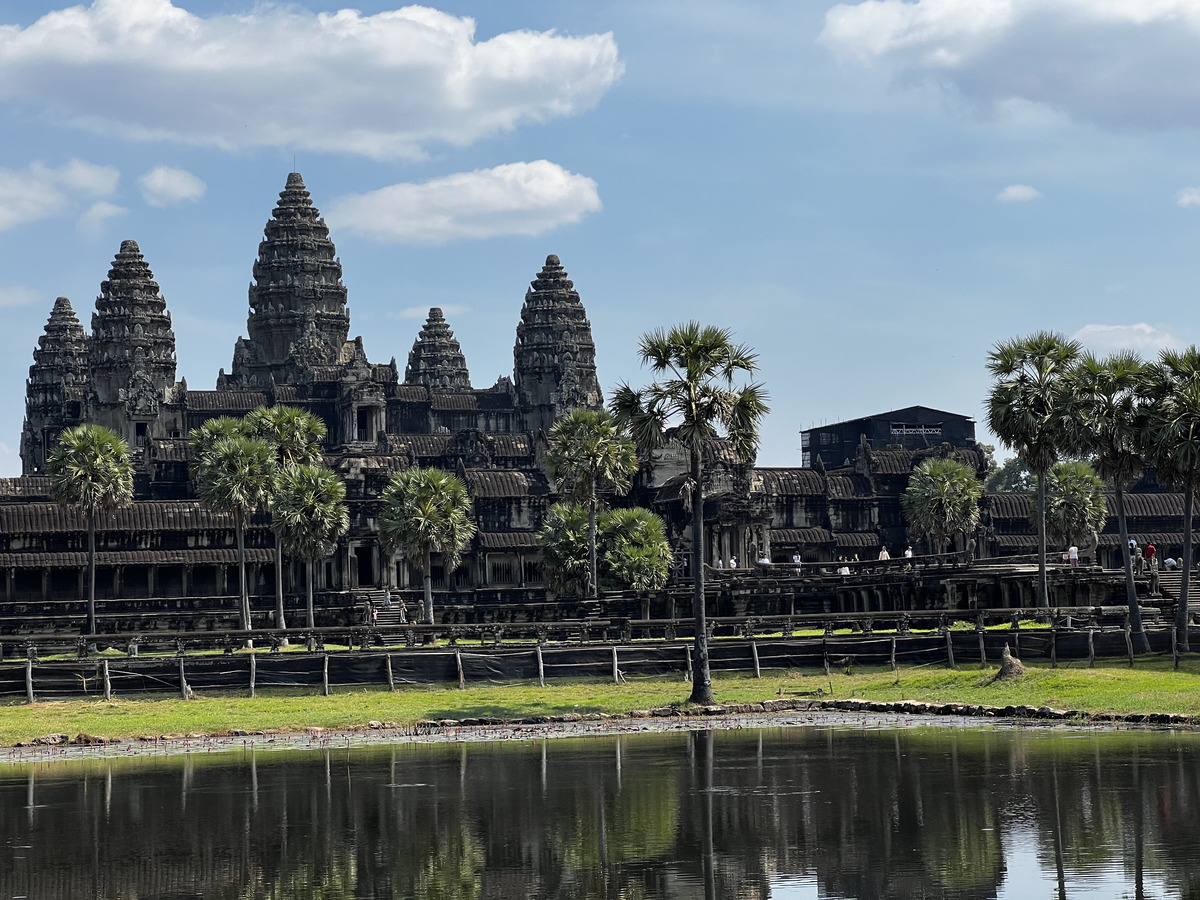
{"points": [[908, 552], [796, 562], [883, 554]]}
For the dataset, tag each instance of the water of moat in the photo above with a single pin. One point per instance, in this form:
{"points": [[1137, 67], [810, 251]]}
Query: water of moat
{"points": [[840, 811]]}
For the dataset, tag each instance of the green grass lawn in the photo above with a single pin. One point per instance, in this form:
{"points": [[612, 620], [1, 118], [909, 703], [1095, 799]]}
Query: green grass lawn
{"points": [[1151, 687]]}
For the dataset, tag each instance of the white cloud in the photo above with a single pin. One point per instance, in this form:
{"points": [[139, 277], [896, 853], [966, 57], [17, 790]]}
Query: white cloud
{"points": [[16, 295], [1189, 196], [40, 192], [422, 312], [1114, 62], [385, 85], [525, 198], [1141, 338], [1018, 193], [91, 223], [164, 186]]}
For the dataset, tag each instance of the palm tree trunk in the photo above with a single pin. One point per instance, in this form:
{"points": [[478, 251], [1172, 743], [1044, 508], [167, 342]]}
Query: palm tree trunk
{"points": [[428, 573], [244, 608], [702, 692], [1135, 608], [91, 594], [279, 622], [1043, 598], [1181, 612], [308, 607], [593, 587]]}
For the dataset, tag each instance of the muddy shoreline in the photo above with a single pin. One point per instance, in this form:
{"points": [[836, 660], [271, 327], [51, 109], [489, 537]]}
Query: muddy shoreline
{"points": [[768, 714]]}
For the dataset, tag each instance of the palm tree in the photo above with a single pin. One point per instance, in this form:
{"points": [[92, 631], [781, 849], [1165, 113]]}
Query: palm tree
{"points": [[235, 475], [942, 500], [309, 517], [697, 401], [564, 541], [1170, 424], [295, 435], [1101, 404], [422, 512], [1025, 412], [91, 470], [1075, 507], [637, 553], [589, 453]]}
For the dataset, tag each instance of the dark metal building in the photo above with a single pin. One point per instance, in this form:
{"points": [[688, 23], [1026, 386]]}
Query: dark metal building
{"points": [[911, 428]]}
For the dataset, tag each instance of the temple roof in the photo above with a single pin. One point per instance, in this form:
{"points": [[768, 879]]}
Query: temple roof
{"points": [[436, 360], [61, 355]]}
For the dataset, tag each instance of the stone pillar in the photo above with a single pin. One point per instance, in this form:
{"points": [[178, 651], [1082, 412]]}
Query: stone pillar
{"points": [[116, 582], [45, 583], [151, 577], [521, 570], [8, 586], [185, 578], [80, 582]]}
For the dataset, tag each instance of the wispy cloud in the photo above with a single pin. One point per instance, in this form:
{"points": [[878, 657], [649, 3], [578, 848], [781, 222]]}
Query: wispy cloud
{"points": [[91, 223], [422, 312], [524, 198], [1063, 54], [1142, 338], [43, 192], [385, 85], [1189, 196], [16, 295], [1018, 193], [164, 186]]}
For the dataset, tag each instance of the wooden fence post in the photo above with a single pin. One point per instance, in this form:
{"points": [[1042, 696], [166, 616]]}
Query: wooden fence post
{"points": [[1091, 648], [107, 682], [253, 673], [462, 681], [1129, 642], [541, 666], [325, 674], [950, 650], [616, 671], [982, 651], [754, 653], [1054, 643], [391, 679], [893, 658], [687, 649], [29, 679]]}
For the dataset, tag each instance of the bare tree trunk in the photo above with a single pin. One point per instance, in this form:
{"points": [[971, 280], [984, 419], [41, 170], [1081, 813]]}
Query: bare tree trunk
{"points": [[91, 595], [279, 622], [428, 586], [1181, 612], [593, 586], [1135, 608], [244, 608], [1043, 598], [312, 616], [702, 692]]}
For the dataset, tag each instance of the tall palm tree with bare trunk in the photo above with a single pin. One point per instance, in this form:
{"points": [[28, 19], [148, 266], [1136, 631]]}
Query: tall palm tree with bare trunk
{"points": [[423, 512], [90, 469], [295, 435], [697, 399], [1170, 424], [1025, 410], [589, 453], [309, 515], [1101, 414]]}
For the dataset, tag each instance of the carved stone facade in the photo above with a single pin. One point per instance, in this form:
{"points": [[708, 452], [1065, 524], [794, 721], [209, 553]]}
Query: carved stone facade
{"points": [[57, 384], [436, 361]]}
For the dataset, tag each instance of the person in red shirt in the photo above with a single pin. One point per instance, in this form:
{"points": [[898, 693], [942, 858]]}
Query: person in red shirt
{"points": [[1149, 552]]}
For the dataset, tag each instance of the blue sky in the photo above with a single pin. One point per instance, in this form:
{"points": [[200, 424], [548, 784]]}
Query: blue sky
{"points": [[870, 194]]}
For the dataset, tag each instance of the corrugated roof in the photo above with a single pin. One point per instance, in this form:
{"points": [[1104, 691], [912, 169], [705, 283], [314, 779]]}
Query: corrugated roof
{"points": [[892, 462], [856, 539], [78, 559], [455, 402], [848, 486], [412, 393], [171, 450], [225, 401], [507, 540], [1009, 505], [506, 483], [794, 482], [512, 445], [143, 515], [427, 445], [795, 536], [1164, 505], [27, 487]]}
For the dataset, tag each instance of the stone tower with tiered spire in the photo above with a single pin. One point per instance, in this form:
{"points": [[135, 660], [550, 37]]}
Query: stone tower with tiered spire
{"points": [[56, 387], [131, 351], [298, 315], [436, 360], [554, 360]]}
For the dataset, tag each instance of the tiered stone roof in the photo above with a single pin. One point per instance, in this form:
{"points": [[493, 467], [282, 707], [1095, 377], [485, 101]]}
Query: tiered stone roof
{"points": [[554, 359], [132, 343], [436, 360], [60, 360], [298, 315]]}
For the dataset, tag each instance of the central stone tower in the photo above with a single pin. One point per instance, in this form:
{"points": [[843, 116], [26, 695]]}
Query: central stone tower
{"points": [[298, 316], [554, 360]]}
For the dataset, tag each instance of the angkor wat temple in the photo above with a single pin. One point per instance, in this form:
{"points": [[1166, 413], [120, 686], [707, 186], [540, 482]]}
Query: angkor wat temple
{"points": [[166, 560]]}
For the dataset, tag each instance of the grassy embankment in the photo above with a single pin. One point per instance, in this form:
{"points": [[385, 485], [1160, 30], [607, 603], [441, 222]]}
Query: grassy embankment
{"points": [[1151, 687]]}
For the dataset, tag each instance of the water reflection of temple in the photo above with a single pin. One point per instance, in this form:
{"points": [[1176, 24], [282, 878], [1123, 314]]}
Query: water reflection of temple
{"points": [[867, 813]]}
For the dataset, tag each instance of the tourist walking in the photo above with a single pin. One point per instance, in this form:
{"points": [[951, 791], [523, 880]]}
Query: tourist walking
{"points": [[1073, 556], [883, 553]]}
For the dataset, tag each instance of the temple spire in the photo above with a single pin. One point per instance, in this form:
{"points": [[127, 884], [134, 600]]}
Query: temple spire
{"points": [[554, 360], [56, 385], [298, 315], [436, 360]]}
